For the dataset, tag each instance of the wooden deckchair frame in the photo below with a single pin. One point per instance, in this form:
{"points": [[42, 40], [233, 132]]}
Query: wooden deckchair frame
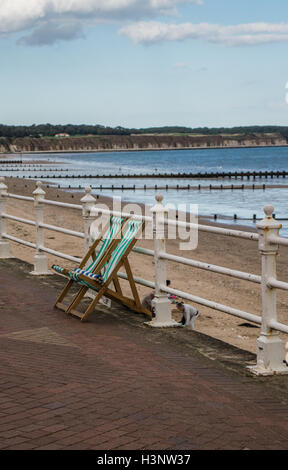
{"points": [[91, 253], [102, 289]]}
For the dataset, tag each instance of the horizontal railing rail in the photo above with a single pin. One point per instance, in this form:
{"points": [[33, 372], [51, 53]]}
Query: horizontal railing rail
{"points": [[60, 254], [54, 228], [22, 198], [18, 240], [216, 230], [210, 267], [277, 284], [18, 219], [61, 204], [274, 239]]}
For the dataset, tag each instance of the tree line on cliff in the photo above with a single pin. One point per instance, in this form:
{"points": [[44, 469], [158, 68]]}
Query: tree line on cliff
{"points": [[50, 130]]}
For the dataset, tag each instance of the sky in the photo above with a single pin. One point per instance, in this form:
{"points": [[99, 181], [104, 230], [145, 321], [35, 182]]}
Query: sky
{"points": [[144, 63]]}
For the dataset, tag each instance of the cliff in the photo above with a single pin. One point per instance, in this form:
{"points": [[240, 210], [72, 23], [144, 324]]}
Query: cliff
{"points": [[136, 142]]}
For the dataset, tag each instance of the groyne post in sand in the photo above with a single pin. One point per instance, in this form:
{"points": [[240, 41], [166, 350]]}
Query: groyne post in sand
{"points": [[269, 345], [4, 244], [161, 304], [40, 258]]}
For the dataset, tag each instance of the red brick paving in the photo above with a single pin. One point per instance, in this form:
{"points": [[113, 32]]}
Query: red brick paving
{"points": [[113, 383]]}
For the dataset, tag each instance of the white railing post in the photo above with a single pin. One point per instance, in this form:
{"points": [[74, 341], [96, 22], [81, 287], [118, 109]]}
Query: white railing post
{"points": [[161, 304], [270, 353], [40, 259], [88, 202], [4, 244]]}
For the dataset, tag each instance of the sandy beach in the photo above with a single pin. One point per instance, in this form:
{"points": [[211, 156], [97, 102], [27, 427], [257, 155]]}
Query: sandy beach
{"points": [[233, 253]]}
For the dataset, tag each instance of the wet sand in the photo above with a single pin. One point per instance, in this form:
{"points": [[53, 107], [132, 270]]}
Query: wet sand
{"points": [[233, 253]]}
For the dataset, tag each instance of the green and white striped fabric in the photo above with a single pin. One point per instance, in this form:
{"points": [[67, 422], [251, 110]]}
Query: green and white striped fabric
{"points": [[115, 225], [131, 231]]}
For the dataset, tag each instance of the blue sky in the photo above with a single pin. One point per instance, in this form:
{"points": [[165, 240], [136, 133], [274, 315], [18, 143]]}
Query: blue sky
{"points": [[144, 63]]}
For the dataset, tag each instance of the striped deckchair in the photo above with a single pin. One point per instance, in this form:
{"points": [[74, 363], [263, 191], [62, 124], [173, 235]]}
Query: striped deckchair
{"points": [[104, 243], [102, 280]]}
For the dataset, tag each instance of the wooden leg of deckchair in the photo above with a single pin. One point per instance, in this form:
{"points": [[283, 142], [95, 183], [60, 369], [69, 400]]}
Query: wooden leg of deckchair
{"points": [[64, 291], [117, 285], [90, 253], [92, 305], [58, 303], [77, 299], [132, 283], [129, 303]]}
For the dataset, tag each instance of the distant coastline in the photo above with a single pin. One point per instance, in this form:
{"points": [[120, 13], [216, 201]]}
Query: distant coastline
{"points": [[47, 152], [138, 143]]}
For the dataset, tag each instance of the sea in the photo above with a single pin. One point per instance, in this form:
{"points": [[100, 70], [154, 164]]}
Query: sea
{"points": [[246, 204]]}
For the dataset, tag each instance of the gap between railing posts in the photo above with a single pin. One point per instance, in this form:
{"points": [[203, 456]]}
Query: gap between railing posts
{"points": [[40, 258], [4, 244], [161, 304]]}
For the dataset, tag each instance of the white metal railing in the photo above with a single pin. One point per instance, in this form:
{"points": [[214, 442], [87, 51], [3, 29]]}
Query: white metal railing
{"points": [[18, 219], [54, 228], [216, 230], [269, 345], [212, 268]]}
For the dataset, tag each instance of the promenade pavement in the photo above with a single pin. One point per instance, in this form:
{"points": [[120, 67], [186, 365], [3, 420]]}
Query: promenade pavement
{"points": [[113, 383]]}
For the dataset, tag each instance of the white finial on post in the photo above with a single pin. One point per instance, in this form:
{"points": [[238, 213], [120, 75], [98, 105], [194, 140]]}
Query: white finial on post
{"points": [[161, 304], [269, 345], [39, 193], [4, 244], [40, 259], [269, 210], [159, 198], [88, 198]]}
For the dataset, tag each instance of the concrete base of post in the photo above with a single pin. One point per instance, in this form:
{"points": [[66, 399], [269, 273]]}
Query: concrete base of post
{"points": [[40, 266], [269, 357], [163, 318], [4, 250]]}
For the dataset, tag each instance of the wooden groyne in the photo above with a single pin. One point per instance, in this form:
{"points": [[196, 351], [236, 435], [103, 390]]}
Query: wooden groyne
{"points": [[223, 175], [177, 187], [33, 168], [8, 162]]}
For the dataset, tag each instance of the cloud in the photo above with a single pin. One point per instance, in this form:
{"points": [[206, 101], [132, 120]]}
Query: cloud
{"points": [[50, 21], [181, 65], [152, 32], [18, 15], [51, 33]]}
